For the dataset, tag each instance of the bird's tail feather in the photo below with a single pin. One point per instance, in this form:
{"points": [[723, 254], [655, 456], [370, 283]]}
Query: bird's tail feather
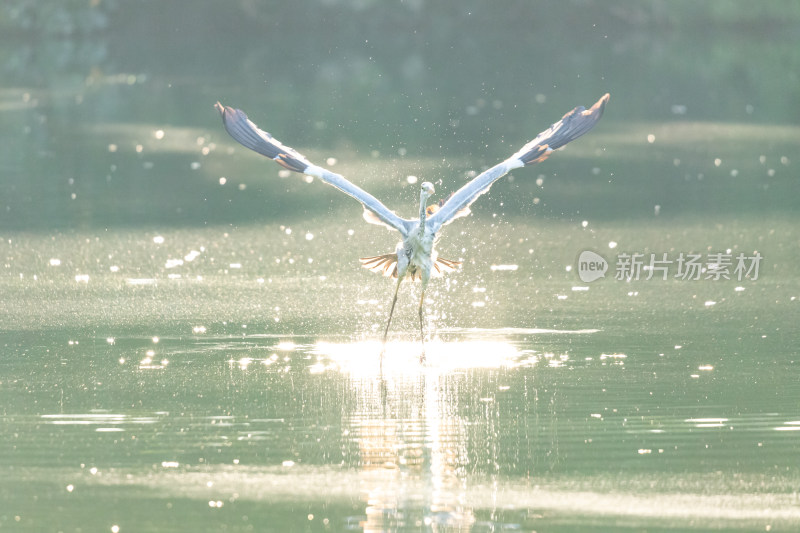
{"points": [[386, 265], [442, 265]]}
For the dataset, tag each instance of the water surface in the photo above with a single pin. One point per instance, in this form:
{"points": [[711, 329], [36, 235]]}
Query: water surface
{"points": [[189, 343]]}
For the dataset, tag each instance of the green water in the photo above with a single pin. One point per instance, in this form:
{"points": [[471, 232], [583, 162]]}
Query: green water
{"points": [[183, 352]]}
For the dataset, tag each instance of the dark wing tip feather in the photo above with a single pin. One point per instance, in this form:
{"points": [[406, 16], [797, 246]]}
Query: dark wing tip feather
{"points": [[577, 122], [250, 136], [571, 126]]}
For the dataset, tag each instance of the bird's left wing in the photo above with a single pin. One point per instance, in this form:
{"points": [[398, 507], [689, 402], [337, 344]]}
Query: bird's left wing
{"points": [[251, 136], [570, 127]]}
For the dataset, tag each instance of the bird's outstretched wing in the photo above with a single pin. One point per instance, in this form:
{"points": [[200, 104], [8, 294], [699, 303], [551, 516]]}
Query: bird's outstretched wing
{"points": [[251, 136], [570, 127]]}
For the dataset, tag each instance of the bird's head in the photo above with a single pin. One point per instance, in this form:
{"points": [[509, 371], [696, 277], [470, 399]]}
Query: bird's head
{"points": [[426, 189]]}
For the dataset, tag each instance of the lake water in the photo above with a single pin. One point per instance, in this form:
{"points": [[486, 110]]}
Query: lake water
{"points": [[189, 342]]}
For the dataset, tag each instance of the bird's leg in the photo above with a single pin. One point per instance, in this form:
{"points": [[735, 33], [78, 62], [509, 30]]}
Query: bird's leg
{"points": [[422, 324], [391, 312]]}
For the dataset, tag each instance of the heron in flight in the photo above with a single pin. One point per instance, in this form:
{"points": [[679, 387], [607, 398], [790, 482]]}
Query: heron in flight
{"points": [[414, 256]]}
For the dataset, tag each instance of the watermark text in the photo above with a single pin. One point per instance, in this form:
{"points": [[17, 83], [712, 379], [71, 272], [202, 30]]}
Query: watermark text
{"points": [[682, 266]]}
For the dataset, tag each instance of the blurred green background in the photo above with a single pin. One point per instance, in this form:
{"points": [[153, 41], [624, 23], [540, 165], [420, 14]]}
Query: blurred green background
{"points": [[457, 84]]}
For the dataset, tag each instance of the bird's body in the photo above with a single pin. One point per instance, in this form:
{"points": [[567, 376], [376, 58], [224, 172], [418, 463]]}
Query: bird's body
{"points": [[415, 256]]}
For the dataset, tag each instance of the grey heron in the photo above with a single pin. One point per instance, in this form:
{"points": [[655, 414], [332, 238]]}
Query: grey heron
{"points": [[414, 256]]}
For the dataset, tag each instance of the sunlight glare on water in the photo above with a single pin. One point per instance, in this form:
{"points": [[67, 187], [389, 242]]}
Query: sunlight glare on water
{"points": [[403, 357]]}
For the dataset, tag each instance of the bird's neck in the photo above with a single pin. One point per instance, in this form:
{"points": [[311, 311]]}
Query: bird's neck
{"points": [[423, 211]]}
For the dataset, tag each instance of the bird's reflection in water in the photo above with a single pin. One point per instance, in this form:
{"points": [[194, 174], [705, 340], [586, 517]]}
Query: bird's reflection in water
{"points": [[404, 432]]}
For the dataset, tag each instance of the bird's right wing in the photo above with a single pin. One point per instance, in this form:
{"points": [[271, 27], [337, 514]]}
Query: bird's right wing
{"points": [[570, 127], [251, 136]]}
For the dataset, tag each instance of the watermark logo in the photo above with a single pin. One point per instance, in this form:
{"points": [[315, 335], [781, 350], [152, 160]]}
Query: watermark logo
{"points": [[681, 266], [591, 266]]}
